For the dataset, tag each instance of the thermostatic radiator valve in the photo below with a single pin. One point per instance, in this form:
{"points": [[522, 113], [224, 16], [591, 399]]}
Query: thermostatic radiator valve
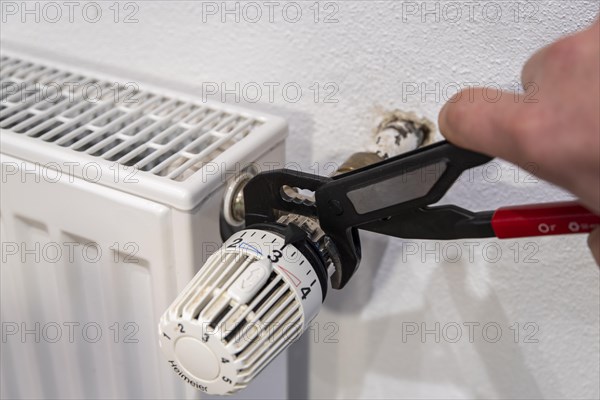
{"points": [[246, 304]]}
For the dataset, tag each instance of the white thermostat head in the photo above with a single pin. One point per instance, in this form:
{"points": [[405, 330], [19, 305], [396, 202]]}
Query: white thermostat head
{"points": [[246, 304]]}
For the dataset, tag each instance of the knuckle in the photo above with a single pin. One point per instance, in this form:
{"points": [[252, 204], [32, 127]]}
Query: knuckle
{"points": [[527, 72], [564, 50]]}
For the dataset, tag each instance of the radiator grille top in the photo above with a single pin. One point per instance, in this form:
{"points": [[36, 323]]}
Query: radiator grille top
{"points": [[166, 137]]}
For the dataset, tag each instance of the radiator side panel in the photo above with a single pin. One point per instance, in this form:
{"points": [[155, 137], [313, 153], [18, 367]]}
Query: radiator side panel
{"points": [[86, 270]]}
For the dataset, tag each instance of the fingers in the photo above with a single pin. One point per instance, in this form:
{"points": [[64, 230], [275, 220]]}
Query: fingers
{"points": [[483, 120], [594, 243]]}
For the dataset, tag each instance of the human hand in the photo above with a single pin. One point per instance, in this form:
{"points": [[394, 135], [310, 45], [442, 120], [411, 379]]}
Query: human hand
{"points": [[559, 131]]}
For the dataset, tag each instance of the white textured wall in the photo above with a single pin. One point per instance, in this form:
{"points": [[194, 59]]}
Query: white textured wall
{"points": [[371, 54]]}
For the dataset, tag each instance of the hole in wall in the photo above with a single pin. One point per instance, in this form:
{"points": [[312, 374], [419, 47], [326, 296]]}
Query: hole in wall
{"points": [[401, 131]]}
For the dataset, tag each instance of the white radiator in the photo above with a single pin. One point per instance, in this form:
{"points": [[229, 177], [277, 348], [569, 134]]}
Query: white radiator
{"points": [[110, 203]]}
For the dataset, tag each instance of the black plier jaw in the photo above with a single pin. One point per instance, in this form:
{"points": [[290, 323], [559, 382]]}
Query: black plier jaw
{"points": [[392, 197]]}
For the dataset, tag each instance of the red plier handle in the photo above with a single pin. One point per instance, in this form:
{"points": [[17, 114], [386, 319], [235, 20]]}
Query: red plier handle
{"points": [[543, 219]]}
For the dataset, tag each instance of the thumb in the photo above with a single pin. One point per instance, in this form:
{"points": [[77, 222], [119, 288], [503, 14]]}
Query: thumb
{"points": [[594, 243], [485, 120]]}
